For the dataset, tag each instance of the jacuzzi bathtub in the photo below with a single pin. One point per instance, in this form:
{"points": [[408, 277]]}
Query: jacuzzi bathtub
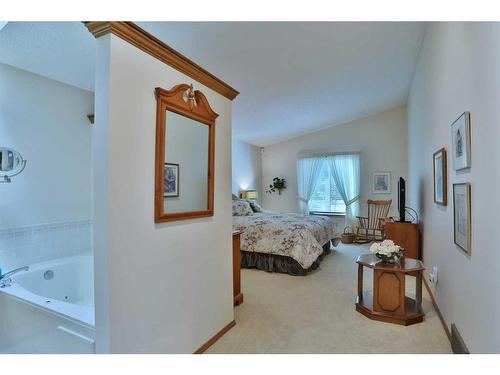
{"points": [[64, 286], [57, 299]]}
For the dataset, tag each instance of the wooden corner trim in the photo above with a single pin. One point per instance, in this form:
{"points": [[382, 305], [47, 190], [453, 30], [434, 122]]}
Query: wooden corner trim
{"points": [[436, 307], [98, 28], [216, 337], [153, 46]]}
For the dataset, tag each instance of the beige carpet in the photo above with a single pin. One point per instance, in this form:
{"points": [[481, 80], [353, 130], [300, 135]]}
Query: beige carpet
{"points": [[315, 314]]}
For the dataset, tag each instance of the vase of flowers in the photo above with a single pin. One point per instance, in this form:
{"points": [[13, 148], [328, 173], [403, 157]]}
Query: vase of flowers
{"points": [[388, 251]]}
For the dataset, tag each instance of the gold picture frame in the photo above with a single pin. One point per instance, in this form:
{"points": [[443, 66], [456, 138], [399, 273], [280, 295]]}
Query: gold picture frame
{"points": [[462, 217]]}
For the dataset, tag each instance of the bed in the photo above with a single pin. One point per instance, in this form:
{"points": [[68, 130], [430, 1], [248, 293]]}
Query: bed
{"points": [[284, 242]]}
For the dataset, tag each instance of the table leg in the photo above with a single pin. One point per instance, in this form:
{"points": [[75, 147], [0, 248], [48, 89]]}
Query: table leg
{"points": [[402, 292], [360, 282], [418, 291]]}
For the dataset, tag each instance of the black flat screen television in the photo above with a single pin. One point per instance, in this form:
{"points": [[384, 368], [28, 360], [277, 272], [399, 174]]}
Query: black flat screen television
{"points": [[401, 199]]}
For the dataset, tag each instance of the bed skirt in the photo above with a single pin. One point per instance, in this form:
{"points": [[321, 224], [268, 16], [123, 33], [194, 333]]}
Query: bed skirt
{"points": [[279, 263]]}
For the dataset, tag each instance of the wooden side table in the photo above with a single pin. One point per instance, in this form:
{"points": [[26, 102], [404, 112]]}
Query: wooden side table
{"points": [[389, 302], [237, 295]]}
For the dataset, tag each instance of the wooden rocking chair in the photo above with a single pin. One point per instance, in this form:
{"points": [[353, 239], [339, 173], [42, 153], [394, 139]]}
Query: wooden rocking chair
{"points": [[371, 228]]}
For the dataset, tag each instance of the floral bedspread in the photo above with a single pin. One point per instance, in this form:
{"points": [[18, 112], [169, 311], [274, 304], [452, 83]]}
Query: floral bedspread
{"points": [[294, 235]]}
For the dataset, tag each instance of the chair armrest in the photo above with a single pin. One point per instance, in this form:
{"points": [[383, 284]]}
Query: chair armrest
{"points": [[382, 221], [363, 221]]}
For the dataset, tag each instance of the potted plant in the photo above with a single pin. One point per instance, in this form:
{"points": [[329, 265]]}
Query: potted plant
{"points": [[278, 184]]}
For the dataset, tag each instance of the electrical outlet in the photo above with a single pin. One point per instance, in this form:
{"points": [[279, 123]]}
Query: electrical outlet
{"points": [[433, 276], [435, 273]]}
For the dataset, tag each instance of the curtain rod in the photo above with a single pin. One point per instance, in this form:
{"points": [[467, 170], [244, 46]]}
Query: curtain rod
{"points": [[325, 153]]}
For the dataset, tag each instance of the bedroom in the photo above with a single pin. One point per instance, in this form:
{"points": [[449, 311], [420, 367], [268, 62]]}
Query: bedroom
{"points": [[398, 140], [311, 127]]}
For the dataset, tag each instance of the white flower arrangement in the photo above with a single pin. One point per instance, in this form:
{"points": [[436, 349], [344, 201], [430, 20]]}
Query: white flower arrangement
{"points": [[386, 248]]}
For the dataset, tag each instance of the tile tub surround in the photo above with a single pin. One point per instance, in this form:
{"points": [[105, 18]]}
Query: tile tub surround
{"points": [[27, 245]]}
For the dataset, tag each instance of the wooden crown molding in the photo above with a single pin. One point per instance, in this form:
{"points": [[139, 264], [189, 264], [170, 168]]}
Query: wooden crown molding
{"points": [[98, 28], [146, 42]]}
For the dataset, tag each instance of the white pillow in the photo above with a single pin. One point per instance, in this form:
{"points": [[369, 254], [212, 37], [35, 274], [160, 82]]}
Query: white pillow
{"points": [[241, 208]]}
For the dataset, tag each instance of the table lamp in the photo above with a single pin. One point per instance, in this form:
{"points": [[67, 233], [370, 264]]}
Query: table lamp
{"points": [[250, 195]]}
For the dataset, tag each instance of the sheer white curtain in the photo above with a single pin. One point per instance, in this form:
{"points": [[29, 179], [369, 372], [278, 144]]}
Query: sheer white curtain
{"points": [[344, 169], [308, 169]]}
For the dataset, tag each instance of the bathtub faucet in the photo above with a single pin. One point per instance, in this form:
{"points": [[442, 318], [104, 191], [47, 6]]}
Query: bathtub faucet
{"points": [[6, 279]]}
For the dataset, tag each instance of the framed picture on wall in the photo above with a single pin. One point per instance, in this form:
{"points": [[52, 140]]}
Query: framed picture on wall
{"points": [[440, 177], [460, 134], [381, 183], [171, 180], [462, 216]]}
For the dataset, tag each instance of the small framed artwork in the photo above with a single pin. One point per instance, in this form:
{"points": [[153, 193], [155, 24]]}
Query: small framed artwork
{"points": [[462, 216], [460, 134], [381, 183], [171, 180], [440, 178]]}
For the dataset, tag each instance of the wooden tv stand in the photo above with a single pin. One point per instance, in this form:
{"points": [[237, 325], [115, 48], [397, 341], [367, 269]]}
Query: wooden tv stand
{"points": [[406, 235]]}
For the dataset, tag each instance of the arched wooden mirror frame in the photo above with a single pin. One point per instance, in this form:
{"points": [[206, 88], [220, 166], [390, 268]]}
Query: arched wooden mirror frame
{"points": [[185, 101]]}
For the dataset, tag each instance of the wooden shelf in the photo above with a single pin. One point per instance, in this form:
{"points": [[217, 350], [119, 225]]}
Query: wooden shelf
{"points": [[413, 315]]}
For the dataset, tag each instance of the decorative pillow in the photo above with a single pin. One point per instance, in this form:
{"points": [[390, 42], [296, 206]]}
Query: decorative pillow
{"points": [[241, 208], [255, 207]]}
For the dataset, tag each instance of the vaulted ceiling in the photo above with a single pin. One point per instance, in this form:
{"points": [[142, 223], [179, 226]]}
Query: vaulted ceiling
{"points": [[299, 77], [294, 77], [63, 51]]}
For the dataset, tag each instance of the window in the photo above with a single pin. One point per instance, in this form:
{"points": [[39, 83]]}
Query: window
{"points": [[326, 197]]}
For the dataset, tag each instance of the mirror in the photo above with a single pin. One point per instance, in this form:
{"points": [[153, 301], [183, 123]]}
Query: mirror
{"points": [[185, 141], [11, 164], [186, 147]]}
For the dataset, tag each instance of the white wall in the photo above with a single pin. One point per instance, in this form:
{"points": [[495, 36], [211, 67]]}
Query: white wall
{"points": [[100, 187], [46, 121], [187, 145], [45, 210], [247, 167], [459, 70], [163, 288], [381, 139]]}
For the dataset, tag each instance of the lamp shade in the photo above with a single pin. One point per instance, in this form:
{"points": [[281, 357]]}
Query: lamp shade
{"points": [[250, 194]]}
